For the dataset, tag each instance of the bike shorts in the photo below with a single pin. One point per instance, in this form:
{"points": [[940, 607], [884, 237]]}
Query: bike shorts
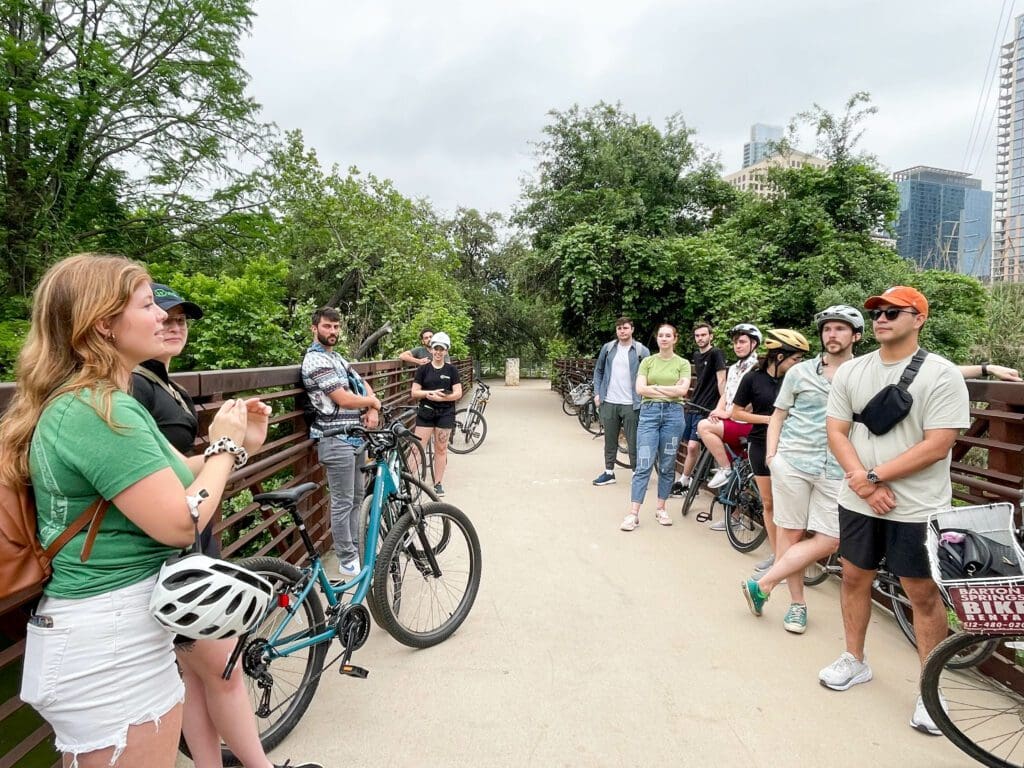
{"points": [[756, 452], [864, 540], [434, 418], [732, 431]]}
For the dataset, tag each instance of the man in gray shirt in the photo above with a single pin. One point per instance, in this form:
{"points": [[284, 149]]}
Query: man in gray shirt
{"points": [[615, 394]]}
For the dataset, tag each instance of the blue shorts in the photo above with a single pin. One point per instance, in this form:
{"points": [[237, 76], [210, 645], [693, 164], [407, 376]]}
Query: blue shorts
{"points": [[690, 421]]}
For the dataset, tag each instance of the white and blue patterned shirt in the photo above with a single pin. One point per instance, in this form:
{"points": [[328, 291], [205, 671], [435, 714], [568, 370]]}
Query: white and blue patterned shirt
{"points": [[323, 372], [803, 441]]}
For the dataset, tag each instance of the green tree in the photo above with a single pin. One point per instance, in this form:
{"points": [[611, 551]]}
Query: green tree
{"points": [[88, 89]]}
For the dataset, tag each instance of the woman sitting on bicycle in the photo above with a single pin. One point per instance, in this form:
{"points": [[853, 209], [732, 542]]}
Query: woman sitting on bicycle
{"points": [[436, 387], [754, 403], [98, 667], [662, 382]]}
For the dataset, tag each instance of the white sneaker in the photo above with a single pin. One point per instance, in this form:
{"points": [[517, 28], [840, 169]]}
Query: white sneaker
{"points": [[630, 522], [922, 721], [845, 672], [720, 478], [349, 569], [719, 526]]}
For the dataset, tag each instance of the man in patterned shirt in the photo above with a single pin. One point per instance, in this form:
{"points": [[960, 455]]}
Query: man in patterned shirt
{"points": [[341, 399]]}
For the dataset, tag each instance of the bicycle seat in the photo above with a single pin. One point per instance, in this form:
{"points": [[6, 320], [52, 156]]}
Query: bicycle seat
{"points": [[285, 496]]}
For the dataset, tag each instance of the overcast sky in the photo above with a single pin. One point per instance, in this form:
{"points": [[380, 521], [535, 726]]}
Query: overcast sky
{"points": [[445, 97]]}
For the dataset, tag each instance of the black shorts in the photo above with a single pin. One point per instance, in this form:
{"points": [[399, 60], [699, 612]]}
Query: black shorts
{"points": [[432, 417], [756, 452], [864, 540]]}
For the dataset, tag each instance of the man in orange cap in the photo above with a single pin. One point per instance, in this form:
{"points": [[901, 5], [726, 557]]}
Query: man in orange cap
{"points": [[897, 473]]}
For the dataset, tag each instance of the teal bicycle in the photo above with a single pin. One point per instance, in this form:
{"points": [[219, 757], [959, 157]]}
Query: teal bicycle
{"points": [[419, 584]]}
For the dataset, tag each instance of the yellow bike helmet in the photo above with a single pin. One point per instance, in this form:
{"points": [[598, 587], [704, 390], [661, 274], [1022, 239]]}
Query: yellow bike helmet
{"points": [[786, 339]]}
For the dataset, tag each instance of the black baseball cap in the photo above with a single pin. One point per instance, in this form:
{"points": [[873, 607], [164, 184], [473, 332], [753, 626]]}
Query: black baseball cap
{"points": [[167, 299]]}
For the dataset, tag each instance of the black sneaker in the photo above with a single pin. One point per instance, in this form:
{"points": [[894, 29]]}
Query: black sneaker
{"points": [[605, 478], [290, 764], [678, 489], [439, 489]]}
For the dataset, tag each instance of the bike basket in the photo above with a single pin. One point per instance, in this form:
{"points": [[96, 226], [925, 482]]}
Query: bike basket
{"points": [[975, 557], [581, 394]]}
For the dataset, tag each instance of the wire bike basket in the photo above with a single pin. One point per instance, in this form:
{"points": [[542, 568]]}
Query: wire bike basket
{"points": [[976, 559], [582, 393]]}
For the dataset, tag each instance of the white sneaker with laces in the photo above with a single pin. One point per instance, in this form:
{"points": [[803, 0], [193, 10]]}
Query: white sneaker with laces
{"points": [[845, 672], [720, 478], [349, 569], [922, 721]]}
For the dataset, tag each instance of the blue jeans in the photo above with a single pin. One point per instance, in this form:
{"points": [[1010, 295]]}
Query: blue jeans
{"points": [[657, 439]]}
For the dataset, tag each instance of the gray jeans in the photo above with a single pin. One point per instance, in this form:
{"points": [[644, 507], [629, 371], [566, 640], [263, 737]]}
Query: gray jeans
{"points": [[341, 461], [613, 417]]}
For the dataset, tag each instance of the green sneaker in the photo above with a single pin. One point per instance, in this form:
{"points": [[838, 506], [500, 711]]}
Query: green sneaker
{"points": [[796, 619], [755, 597]]}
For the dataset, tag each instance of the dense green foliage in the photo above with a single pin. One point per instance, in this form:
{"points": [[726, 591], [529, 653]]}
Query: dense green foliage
{"points": [[620, 216]]}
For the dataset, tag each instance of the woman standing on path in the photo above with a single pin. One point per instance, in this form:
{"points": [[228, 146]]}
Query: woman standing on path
{"points": [[215, 708], [437, 388], [98, 667], [662, 382]]}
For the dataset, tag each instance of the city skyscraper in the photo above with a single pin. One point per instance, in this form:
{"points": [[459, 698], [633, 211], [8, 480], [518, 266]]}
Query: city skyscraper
{"points": [[757, 148], [1008, 225], [945, 220]]}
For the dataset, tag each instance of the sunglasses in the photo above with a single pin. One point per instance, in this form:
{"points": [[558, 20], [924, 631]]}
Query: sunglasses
{"points": [[891, 313]]}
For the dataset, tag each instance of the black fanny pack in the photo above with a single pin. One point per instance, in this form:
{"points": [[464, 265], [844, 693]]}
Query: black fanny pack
{"points": [[892, 405]]}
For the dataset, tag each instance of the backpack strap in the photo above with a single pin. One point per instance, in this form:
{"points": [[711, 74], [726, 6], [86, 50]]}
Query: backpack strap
{"points": [[910, 372], [149, 375], [95, 513]]}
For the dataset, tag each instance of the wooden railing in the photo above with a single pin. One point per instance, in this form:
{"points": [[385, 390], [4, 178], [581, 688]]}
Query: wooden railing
{"points": [[287, 458]]}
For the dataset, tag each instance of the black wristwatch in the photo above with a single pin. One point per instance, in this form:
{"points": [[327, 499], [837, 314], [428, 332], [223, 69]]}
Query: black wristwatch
{"points": [[872, 477]]}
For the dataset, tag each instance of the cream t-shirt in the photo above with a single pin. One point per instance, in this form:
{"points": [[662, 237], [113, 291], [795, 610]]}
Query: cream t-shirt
{"points": [[940, 402]]}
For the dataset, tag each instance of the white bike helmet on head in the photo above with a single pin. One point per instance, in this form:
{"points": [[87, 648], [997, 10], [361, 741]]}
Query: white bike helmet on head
{"points": [[844, 313], [747, 329], [441, 340], [202, 598]]}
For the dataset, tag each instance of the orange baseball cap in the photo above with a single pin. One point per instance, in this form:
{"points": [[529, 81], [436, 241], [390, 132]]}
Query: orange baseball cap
{"points": [[900, 296]]}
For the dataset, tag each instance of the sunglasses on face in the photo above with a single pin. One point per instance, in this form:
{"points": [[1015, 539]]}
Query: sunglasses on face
{"points": [[890, 314]]}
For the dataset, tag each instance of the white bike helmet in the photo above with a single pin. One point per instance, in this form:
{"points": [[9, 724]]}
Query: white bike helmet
{"points": [[207, 599], [747, 329], [843, 313], [441, 340]]}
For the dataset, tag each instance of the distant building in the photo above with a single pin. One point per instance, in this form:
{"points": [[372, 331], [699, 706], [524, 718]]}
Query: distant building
{"points": [[759, 146], [1008, 226], [944, 221], [754, 178]]}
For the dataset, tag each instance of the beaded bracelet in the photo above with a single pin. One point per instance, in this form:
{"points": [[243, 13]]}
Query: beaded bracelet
{"points": [[227, 445]]}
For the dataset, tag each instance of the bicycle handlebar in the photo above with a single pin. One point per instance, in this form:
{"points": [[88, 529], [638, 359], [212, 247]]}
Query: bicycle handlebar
{"points": [[694, 406]]}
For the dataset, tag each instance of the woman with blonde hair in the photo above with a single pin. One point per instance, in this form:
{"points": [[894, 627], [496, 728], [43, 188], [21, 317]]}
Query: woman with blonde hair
{"points": [[98, 667]]}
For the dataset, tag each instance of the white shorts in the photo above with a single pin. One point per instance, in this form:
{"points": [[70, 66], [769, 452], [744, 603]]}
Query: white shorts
{"points": [[105, 664], [804, 502]]}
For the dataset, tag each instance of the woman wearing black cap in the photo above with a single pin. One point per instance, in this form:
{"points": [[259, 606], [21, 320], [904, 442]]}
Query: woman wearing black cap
{"points": [[215, 709]]}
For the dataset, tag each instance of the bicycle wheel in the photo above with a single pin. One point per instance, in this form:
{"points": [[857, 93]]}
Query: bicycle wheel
{"points": [[816, 573], [409, 486], [414, 458], [569, 408], [701, 470], [622, 452], [980, 713], [469, 431], [588, 418], [427, 575], [746, 529], [294, 678]]}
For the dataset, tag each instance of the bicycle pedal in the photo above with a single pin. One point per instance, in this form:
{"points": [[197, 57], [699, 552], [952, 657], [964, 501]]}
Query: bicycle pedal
{"points": [[353, 671], [703, 517]]}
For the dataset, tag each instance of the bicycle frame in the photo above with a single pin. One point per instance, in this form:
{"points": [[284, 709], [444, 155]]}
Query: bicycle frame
{"points": [[279, 644]]}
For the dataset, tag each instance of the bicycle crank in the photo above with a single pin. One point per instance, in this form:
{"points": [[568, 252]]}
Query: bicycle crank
{"points": [[352, 632]]}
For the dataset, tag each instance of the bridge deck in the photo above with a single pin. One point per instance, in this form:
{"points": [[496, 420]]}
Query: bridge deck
{"points": [[592, 647]]}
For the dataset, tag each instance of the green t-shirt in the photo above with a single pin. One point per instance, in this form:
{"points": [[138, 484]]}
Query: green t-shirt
{"points": [[74, 456], [664, 373]]}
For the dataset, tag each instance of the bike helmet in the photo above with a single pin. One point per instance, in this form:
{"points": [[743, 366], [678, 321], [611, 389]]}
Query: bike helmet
{"points": [[746, 328], [787, 340], [842, 312], [441, 340], [207, 599]]}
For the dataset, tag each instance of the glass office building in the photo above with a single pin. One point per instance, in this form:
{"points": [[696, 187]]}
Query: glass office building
{"points": [[945, 221], [759, 146], [1008, 225]]}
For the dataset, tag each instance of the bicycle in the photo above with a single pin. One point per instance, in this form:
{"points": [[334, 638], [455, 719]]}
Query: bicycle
{"points": [[419, 584], [572, 394], [470, 426], [741, 504], [981, 709], [703, 468]]}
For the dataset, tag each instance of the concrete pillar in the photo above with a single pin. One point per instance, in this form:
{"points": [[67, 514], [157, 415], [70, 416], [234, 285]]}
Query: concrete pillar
{"points": [[512, 372]]}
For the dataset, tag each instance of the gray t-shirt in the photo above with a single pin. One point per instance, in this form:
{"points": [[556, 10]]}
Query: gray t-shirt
{"points": [[620, 383], [422, 353], [940, 402]]}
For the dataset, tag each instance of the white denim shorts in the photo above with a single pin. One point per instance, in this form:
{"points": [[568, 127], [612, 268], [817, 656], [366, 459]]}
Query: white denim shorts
{"points": [[804, 502], [105, 664]]}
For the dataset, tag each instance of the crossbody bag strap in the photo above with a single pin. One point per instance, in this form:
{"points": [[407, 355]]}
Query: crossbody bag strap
{"points": [[95, 513], [148, 374], [910, 372]]}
